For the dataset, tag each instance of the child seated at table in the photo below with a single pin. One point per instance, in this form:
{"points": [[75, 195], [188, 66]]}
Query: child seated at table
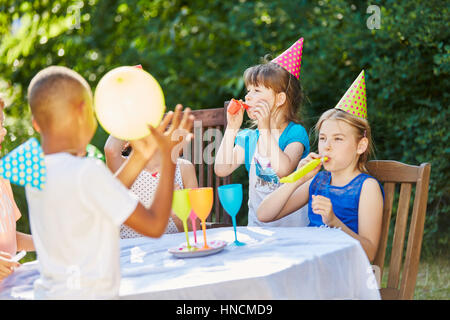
{"points": [[344, 196], [117, 151], [11, 240], [274, 148], [75, 219]]}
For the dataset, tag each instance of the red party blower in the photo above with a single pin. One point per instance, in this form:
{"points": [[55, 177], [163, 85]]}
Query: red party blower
{"points": [[235, 105]]}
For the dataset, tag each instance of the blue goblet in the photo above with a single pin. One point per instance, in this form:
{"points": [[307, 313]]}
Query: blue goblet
{"points": [[230, 197]]}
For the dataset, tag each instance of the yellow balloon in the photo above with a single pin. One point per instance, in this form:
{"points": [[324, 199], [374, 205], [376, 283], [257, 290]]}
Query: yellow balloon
{"points": [[127, 99]]}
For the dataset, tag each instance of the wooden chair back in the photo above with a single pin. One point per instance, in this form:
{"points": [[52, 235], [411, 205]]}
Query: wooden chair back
{"points": [[391, 173], [209, 126]]}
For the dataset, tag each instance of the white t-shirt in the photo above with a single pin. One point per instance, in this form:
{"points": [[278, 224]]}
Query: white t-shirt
{"points": [[75, 223]]}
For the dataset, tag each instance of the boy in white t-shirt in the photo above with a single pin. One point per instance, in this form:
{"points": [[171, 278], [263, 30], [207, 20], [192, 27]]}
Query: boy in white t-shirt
{"points": [[75, 219]]}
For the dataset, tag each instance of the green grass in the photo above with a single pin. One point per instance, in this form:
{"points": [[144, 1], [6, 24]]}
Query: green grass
{"points": [[433, 278]]}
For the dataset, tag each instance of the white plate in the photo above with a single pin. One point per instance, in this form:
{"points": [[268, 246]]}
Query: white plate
{"points": [[197, 250]]}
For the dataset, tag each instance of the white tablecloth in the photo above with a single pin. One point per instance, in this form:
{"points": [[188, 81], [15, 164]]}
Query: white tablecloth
{"points": [[275, 263]]}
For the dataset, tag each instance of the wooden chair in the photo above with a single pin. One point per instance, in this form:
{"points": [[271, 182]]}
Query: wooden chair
{"points": [[391, 173], [207, 122]]}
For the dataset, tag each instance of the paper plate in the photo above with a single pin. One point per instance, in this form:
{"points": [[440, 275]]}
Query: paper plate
{"points": [[197, 250]]}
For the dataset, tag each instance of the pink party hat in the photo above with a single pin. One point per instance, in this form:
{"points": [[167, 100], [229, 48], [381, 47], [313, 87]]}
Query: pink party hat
{"points": [[354, 100], [291, 59]]}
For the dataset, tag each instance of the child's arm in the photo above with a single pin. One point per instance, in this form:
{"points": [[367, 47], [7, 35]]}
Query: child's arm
{"points": [[188, 174], [152, 222], [370, 213], [282, 162], [289, 197], [24, 242], [113, 148], [283, 201], [230, 157]]}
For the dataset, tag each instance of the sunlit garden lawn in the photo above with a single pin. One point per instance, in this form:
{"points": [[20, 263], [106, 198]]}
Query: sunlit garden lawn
{"points": [[432, 280]]}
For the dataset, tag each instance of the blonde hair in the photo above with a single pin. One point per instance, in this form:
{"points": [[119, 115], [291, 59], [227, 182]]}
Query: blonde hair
{"points": [[362, 129], [275, 77]]}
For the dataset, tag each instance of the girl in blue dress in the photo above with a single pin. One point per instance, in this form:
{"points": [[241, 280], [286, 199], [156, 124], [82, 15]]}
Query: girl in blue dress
{"points": [[343, 196]]}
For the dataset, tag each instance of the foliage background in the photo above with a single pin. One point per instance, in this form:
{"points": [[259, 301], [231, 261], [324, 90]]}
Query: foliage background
{"points": [[198, 51]]}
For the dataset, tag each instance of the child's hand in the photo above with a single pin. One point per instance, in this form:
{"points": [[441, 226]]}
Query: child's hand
{"points": [[178, 132], [234, 121], [323, 206], [262, 113], [6, 267], [307, 159], [165, 140], [147, 146]]}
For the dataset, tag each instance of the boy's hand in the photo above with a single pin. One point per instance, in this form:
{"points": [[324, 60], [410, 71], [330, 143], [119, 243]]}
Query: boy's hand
{"points": [[147, 146], [162, 138], [178, 132], [313, 172], [6, 267]]}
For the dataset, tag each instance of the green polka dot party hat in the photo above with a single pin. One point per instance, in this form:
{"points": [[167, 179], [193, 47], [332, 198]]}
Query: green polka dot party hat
{"points": [[354, 100]]}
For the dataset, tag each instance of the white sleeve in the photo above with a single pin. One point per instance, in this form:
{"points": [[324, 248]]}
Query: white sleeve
{"points": [[105, 194]]}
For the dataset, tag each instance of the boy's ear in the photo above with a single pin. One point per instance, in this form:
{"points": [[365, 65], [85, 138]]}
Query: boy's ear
{"points": [[280, 98], [35, 125], [362, 145], [80, 106]]}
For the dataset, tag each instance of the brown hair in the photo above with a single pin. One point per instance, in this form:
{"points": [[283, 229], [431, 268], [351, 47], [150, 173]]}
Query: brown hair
{"points": [[362, 129], [272, 75]]}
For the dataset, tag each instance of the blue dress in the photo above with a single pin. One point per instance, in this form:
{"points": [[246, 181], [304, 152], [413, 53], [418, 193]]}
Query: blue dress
{"points": [[345, 200]]}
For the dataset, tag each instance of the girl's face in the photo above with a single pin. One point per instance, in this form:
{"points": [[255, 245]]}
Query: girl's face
{"points": [[337, 141], [2, 128], [256, 94]]}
